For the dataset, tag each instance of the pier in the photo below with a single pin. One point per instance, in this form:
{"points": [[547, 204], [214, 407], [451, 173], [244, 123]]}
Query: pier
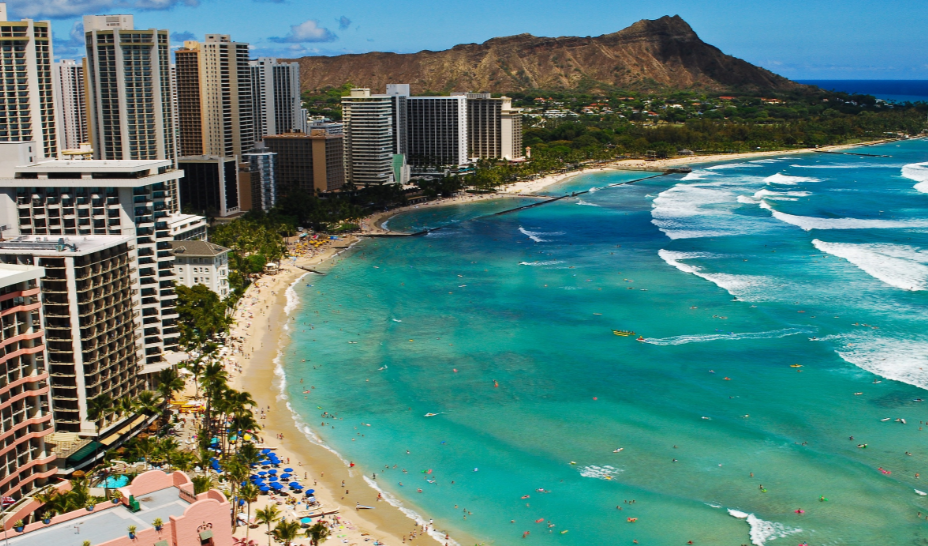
{"points": [[849, 153]]}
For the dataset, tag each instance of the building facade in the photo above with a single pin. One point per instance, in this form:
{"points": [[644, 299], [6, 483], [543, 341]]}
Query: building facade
{"points": [[25, 461], [276, 96], [199, 262], [262, 170], [436, 131], [27, 109], [129, 97], [215, 104], [494, 127], [186, 227], [70, 105], [210, 184], [134, 199], [91, 321], [374, 132], [313, 162]]}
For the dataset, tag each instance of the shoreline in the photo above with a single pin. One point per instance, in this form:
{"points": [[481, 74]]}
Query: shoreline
{"points": [[265, 340]]}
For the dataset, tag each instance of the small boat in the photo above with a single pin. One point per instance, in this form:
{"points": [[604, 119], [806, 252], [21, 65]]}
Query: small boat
{"points": [[900, 421], [887, 419], [623, 333], [618, 450], [431, 414], [795, 365], [362, 507], [640, 338]]}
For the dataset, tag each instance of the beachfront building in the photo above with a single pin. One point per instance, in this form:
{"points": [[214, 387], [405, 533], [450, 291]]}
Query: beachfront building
{"points": [[92, 332], [313, 163], [494, 127], [200, 262], [189, 519], [210, 184], [25, 461], [375, 132], [276, 95], [262, 171], [134, 199], [214, 97], [436, 132], [27, 105], [70, 105], [129, 92], [187, 227]]}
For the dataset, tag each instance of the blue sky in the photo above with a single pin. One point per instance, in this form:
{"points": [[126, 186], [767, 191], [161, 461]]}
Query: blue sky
{"points": [[800, 39]]}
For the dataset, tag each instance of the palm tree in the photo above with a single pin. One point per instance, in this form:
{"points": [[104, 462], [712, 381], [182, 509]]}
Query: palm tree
{"points": [[267, 516], [214, 381], [286, 531], [248, 493], [98, 408], [318, 533], [237, 473], [202, 484], [124, 406], [169, 382], [148, 402], [144, 448]]}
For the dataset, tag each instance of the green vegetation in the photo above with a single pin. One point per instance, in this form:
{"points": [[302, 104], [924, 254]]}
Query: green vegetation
{"points": [[328, 103]]}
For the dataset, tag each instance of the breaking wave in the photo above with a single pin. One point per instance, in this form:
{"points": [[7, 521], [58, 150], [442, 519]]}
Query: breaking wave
{"points": [[901, 266], [536, 235], [904, 360], [787, 180], [762, 531], [552, 262], [746, 287], [919, 173], [808, 223], [600, 472]]}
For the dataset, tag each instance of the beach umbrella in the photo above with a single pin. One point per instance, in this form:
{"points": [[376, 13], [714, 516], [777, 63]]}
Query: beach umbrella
{"points": [[310, 491], [264, 489], [262, 473], [272, 471], [265, 451], [295, 484], [284, 476], [288, 470], [277, 485], [306, 521]]}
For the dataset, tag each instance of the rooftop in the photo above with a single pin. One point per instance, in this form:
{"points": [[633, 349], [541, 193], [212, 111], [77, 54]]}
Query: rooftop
{"points": [[94, 165], [12, 274], [197, 248], [106, 525], [61, 246]]}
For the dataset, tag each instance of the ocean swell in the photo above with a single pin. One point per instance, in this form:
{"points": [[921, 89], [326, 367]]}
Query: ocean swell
{"points": [[536, 235], [808, 223], [900, 266], [919, 173], [746, 287]]}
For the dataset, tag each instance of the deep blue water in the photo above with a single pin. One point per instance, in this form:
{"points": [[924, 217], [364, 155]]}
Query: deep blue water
{"points": [[783, 306], [891, 90]]}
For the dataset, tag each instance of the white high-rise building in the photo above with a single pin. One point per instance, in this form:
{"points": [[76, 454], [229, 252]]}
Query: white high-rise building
{"points": [[276, 96], [70, 104], [375, 136], [131, 100], [27, 106]]}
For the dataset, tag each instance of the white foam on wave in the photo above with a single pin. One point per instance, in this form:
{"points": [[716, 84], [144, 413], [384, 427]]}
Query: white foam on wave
{"points": [[600, 472], [594, 189], [900, 266], [696, 175], [904, 360], [765, 193], [677, 211], [762, 531], [745, 287], [683, 340], [732, 166], [292, 299], [919, 173], [767, 161], [552, 262], [808, 223], [536, 235], [747, 200], [787, 180], [411, 514], [584, 203]]}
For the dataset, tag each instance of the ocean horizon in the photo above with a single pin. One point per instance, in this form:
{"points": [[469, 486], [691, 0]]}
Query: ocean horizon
{"points": [[889, 90], [776, 393]]}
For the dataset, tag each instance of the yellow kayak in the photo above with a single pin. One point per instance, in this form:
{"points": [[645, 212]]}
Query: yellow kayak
{"points": [[623, 333]]}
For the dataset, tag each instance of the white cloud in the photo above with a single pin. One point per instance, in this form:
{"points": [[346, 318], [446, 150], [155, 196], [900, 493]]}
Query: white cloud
{"points": [[57, 9], [309, 31]]}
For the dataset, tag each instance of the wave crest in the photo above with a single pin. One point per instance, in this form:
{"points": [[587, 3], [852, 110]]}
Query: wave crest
{"points": [[901, 266]]}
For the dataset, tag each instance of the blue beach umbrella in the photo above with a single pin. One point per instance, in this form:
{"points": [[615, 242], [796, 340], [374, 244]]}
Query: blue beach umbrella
{"points": [[262, 473], [310, 491], [277, 485], [295, 484], [272, 471], [264, 489], [265, 451], [306, 521], [284, 476], [288, 470]]}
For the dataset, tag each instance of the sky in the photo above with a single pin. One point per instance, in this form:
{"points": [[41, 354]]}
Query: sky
{"points": [[799, 39]]}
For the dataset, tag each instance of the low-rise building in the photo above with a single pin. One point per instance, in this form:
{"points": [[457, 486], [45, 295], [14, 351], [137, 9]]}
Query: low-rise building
{"points": [[185, 227], [210, 184], [25, 462], [199, 262]]}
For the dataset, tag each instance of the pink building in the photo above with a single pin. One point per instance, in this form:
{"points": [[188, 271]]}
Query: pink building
{"points": [[25, 462], [188, 519]]}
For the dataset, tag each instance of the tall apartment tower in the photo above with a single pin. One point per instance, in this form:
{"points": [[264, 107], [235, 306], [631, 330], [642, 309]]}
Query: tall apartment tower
{"points": [[27, 109], [25, 463], [91, 323], [494, 127], [312, 162], [262, 171], [214, 97], [136, 199], [129, 79], [436, 130], [276, 96], [375, 132], [70, 104]]}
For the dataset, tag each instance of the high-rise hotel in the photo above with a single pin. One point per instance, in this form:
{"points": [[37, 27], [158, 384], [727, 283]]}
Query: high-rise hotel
{"points": [[70, 104], [27, 106], [129, 80]]}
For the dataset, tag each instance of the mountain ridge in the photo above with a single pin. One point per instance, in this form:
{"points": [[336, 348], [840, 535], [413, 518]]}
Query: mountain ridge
{"points": [[649, 54]]}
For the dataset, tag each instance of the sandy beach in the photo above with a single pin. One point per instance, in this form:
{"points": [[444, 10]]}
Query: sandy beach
{"points": [[260, 321]]}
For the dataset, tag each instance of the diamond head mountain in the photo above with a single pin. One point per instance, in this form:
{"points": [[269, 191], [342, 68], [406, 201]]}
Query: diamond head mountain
{"points": [[655, 54]]}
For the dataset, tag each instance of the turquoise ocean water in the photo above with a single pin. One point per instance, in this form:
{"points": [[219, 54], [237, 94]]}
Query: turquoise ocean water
{"points": [[502, 326]]}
